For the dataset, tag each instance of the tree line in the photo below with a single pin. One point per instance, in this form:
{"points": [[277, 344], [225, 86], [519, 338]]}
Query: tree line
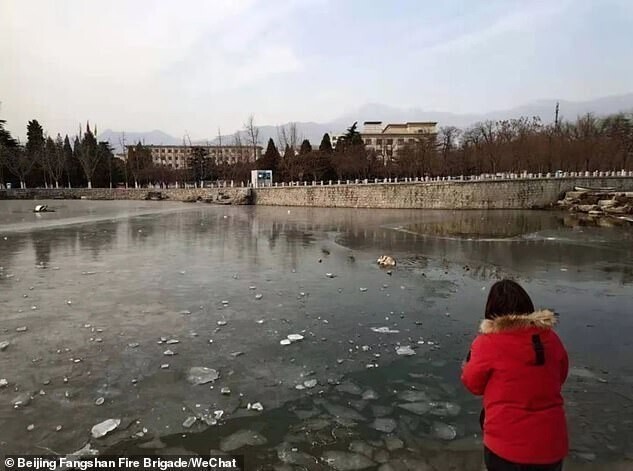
{"points": [[523, 144], [55, 162]]}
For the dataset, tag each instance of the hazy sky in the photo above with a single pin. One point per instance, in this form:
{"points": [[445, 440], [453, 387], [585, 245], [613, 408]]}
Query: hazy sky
{"points": [[181, 65]]}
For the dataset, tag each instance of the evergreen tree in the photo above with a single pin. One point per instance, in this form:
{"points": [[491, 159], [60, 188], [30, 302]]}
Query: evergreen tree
{"points": [[89, 154], [270, 159], [305, 148], [68, 160], [35, 140], [5, 136], [7, 144], [288, 153], [34, 149], [326, 144], [76, 171]]}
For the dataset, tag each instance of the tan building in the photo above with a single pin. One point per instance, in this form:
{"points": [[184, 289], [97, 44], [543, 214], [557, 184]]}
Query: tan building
{"points": [[176, 157], [388, 140]]}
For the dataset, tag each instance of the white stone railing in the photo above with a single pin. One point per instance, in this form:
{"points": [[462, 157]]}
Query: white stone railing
{"points": [[462, 178]]}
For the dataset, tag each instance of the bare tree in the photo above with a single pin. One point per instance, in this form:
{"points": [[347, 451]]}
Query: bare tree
{"points": [[252, 133], [288, 136], [19, 164], [123, 145]]}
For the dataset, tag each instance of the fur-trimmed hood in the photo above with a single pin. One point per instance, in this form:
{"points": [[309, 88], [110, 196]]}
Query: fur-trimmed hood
{"points": [[543, 319]]}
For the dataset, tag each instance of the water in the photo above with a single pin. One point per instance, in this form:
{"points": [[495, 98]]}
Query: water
{"points": [[98, 284]]}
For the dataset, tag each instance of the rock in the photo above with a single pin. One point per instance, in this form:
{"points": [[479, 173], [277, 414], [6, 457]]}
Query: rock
{"points": [[221, 323], [381, 411], [349, 388], [240, 439], [443, 431], [311, 383], [164, 366], [386, 261], [393, 443], [285, 342], [256, 406], [345, 461], [444, 409], [133, 345], [22, 329], [419, 408], [289, 455], [21, 400], [172, 341], [341, 411], [295, 337], [370, 395], [413, 396], [202, 375], [4, 345], [384, 330], [330, 275], [99, 401], [3, 383], [30, 427], [385, 425], [189, 421], [259, 296], [226, 391], [405, 350], [381, 456], [358, 446], [363, 290], [105, 427]]}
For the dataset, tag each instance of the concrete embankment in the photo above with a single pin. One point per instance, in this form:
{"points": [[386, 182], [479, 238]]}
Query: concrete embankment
{"points": [[210, 195], [454, 194]]}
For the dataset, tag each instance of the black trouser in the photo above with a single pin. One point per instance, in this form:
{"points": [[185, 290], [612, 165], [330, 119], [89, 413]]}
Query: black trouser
{"points": [[496, 463]]}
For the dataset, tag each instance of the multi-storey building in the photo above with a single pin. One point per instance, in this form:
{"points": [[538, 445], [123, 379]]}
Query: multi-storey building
{"points": [[387, 141], [177, 157]]}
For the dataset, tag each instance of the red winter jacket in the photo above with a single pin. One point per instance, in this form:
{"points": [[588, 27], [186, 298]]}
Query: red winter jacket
{"points": [[519, 365]]}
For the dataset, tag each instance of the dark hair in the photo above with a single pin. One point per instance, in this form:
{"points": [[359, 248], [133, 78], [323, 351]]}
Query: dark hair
{"points": [[507, 297]]}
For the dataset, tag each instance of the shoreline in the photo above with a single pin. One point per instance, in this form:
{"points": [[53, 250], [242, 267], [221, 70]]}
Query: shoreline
{"points": [[448, 194]]}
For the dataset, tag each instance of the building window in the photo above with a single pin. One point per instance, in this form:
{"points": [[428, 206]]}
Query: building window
{"points": [[389, 142], [401, 141], [379, 141]]}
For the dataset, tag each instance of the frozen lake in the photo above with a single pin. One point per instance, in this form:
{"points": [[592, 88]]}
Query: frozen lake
{"points": [[106, 289]]}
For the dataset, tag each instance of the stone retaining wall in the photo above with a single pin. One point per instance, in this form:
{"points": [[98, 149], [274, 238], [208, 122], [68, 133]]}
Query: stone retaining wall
{"points": [[483, 194], [233, 195]]}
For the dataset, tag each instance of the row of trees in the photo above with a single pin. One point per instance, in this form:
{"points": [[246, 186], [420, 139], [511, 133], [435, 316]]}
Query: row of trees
{"points": [[45, 161], [523, 144]]}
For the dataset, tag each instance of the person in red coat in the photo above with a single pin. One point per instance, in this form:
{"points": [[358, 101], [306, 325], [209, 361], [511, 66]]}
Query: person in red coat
{"points": [[519, 365]]}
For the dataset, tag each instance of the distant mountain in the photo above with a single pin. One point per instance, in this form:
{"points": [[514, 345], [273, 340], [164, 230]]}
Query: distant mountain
{"points": [[569, 110], [545, 109], [155, 137]]}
